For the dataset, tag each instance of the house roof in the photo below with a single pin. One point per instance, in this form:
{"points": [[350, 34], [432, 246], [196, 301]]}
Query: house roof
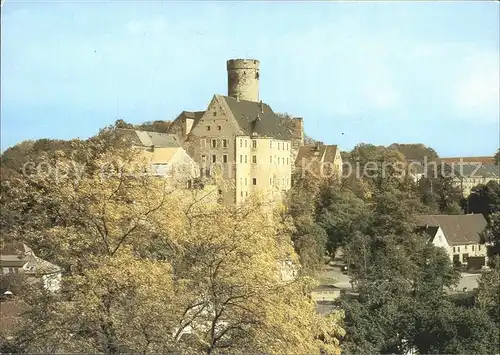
{"points": [[196, 115], [14, 249], [148, 139], [321, 152], [19, 255], [458, 229], [255, 118], [163, 155], [469, 170], [475, 160]]}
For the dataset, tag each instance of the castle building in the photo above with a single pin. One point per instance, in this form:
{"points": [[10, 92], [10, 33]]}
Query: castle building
{"points": [[240, 140], [319, 160]]}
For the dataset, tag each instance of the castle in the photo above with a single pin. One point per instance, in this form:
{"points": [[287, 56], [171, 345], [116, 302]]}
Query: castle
{"points": [[241, 139]]}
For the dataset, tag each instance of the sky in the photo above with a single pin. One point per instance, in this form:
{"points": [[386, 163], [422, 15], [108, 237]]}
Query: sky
{"points": [[358, 72]]}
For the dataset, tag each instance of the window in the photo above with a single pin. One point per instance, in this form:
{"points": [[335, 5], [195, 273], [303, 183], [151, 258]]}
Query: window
{"points": [[254, 144], [287, 163], [246, 193], [203, 143], [246, 143], [270, 181], [246, 160], [224, 158], [479, 247], [254, 159], [214, 158], [220, 192], [203, 158], [241, 193], [241, 158], [246, 182], [214, 143], [453, 249], [254, 181], [278, 145], [224, 143], [215, 113], [465, 247], [473, 248], [270, 144], [283, 160], [219, 128], [270, 159], [465, 257], [208, 128], [458, 249], [241, 181], [241, 142]]}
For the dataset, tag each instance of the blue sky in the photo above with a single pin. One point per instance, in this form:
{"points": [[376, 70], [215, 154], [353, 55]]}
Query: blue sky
{"points": [[371, 72]]}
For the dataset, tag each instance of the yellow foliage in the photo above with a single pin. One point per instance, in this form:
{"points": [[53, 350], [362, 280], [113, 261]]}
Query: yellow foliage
{"points": [[150, 269]]}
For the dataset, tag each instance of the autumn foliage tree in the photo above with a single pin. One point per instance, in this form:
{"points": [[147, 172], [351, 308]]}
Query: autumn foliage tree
{"points": [[151, 269]]}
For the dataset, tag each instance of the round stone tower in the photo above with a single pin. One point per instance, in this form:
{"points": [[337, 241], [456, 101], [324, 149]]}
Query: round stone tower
{"points": [[243, 79]]}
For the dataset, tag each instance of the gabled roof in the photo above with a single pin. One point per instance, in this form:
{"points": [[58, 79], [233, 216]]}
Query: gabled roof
{"points": [[148, 139], [321, 152], [255, 118], [458, 229], [468, 160], [163, 155], [19, 255], [469, 170]]}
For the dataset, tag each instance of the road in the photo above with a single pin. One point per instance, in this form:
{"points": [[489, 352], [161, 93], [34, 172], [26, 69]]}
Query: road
{"points": [[342, 281]]}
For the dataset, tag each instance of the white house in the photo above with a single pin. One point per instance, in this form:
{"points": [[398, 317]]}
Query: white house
{"points": [[459, 235], [19, 258]]}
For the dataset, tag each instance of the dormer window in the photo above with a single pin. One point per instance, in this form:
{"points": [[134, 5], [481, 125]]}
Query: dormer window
{"points": [[208, 128]]}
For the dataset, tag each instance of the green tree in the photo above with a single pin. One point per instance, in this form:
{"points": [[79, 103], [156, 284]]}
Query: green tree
{"points": [[416, 152], [488, 295], [340, 213], [483, 199]]}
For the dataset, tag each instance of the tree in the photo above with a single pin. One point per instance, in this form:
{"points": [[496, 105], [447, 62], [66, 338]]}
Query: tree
{"points": [[492, 236], [416, 152], [487, 294], [340, 213], [146, 269], [483, 199], [154, 126]]}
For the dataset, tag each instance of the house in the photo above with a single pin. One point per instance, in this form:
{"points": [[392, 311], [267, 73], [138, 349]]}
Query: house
{"points": [[459, 235], [320, 160], [163, 154], [17, 258], [468, 175], [240, 139]]}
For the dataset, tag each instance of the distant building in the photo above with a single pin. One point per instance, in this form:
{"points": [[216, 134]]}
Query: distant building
{"points": [[469, 160], [468, 175], [164, 155], [19, 258], [320, 160], [459, 235]]}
